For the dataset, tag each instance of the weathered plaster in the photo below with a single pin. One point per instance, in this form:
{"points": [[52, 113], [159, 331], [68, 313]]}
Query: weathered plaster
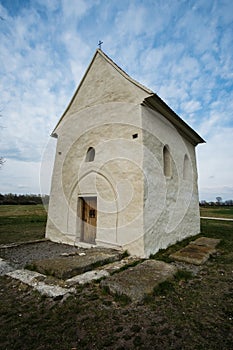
{"points": [[171, 209], [139, 209]]}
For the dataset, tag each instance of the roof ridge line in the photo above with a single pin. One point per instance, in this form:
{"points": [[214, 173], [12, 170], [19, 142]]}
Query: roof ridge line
{"points": [[114, 65], [123, 72]]}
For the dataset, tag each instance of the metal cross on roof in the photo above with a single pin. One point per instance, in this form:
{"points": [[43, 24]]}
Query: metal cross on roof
{"points": [[100, 43]]}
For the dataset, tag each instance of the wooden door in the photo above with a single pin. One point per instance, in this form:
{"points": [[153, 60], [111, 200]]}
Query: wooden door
{"points": [[89, 219]]}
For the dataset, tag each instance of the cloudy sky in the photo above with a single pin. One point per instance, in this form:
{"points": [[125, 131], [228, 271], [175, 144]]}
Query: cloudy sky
{"points": [[181, 49]]}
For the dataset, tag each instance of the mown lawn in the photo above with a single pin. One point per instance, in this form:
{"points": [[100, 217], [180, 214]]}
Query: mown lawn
{"points": [[218, 212]]}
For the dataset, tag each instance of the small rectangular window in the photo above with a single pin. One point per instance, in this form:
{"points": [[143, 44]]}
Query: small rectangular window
{"points": [[135, 136], [92, 213]]}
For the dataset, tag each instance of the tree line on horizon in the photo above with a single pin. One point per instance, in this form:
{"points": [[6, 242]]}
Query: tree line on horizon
{"points": [[23, 199], [33, 199], [218, 202]]}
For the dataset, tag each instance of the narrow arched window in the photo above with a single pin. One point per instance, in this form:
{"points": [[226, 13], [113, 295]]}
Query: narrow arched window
{"points": [[167, 167], [90, 156], [186, 168]]}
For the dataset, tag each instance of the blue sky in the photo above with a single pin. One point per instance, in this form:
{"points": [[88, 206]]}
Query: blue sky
{"points": [[182, 50]]}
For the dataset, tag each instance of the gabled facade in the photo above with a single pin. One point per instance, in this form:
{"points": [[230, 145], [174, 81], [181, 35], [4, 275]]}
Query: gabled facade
{"points": [[125, 171]]}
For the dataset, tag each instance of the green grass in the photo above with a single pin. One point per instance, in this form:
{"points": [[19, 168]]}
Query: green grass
{"points": [[22, 210], [20, 223], [209, 228], [183, 275], [163, 288], [218, 212], [222, 230]]}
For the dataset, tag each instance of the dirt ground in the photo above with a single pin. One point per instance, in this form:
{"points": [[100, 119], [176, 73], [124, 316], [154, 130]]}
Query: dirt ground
{"points": [[192, 312], [24, 254]]}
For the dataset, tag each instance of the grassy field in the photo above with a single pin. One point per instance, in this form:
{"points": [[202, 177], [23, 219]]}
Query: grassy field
{"points": [[19, 223], [192, 312], [218, 212]]}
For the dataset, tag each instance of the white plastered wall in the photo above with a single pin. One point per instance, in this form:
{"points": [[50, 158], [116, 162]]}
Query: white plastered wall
{"points": [[138, 208], [171, 210], [115, 176], [103, 114]]}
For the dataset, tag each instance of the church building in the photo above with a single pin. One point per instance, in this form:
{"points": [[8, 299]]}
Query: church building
{"points": [[125, 173]]}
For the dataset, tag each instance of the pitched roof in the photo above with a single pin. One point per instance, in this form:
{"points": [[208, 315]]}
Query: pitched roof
{"points": [[156, 103], [153, 101]]}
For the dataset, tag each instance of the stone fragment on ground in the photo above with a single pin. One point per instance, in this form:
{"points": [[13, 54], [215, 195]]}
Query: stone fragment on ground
{"points": [[5, 267], [66, 267], [35, 280], [118, 265], [100, 261], [18, 244], [193, 269], [196, 252], [102, 272], [83, 266], [87, 277], [138, 281], [207, 242]]}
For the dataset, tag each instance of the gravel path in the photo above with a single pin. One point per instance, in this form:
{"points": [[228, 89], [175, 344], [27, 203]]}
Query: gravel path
{"points": [[211, 218], [23, 254]]}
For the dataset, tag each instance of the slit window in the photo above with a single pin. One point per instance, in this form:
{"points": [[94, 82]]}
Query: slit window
{"points": [[90, 156], [167, 168], [186, 168]]}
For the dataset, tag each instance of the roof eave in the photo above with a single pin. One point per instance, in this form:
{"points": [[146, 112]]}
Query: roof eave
{"points": [[156, 103], [54, 134]]}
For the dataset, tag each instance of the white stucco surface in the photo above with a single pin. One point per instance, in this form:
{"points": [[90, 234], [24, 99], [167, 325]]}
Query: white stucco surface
{"points": [[138, 208]]}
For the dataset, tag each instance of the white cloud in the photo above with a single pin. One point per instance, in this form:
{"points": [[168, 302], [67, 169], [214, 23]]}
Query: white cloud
{"points": [[131, 22], [74, 9], [215, 160], [209, 194], [190, 106], [181, 50], [51, 5], [19, 176]]}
